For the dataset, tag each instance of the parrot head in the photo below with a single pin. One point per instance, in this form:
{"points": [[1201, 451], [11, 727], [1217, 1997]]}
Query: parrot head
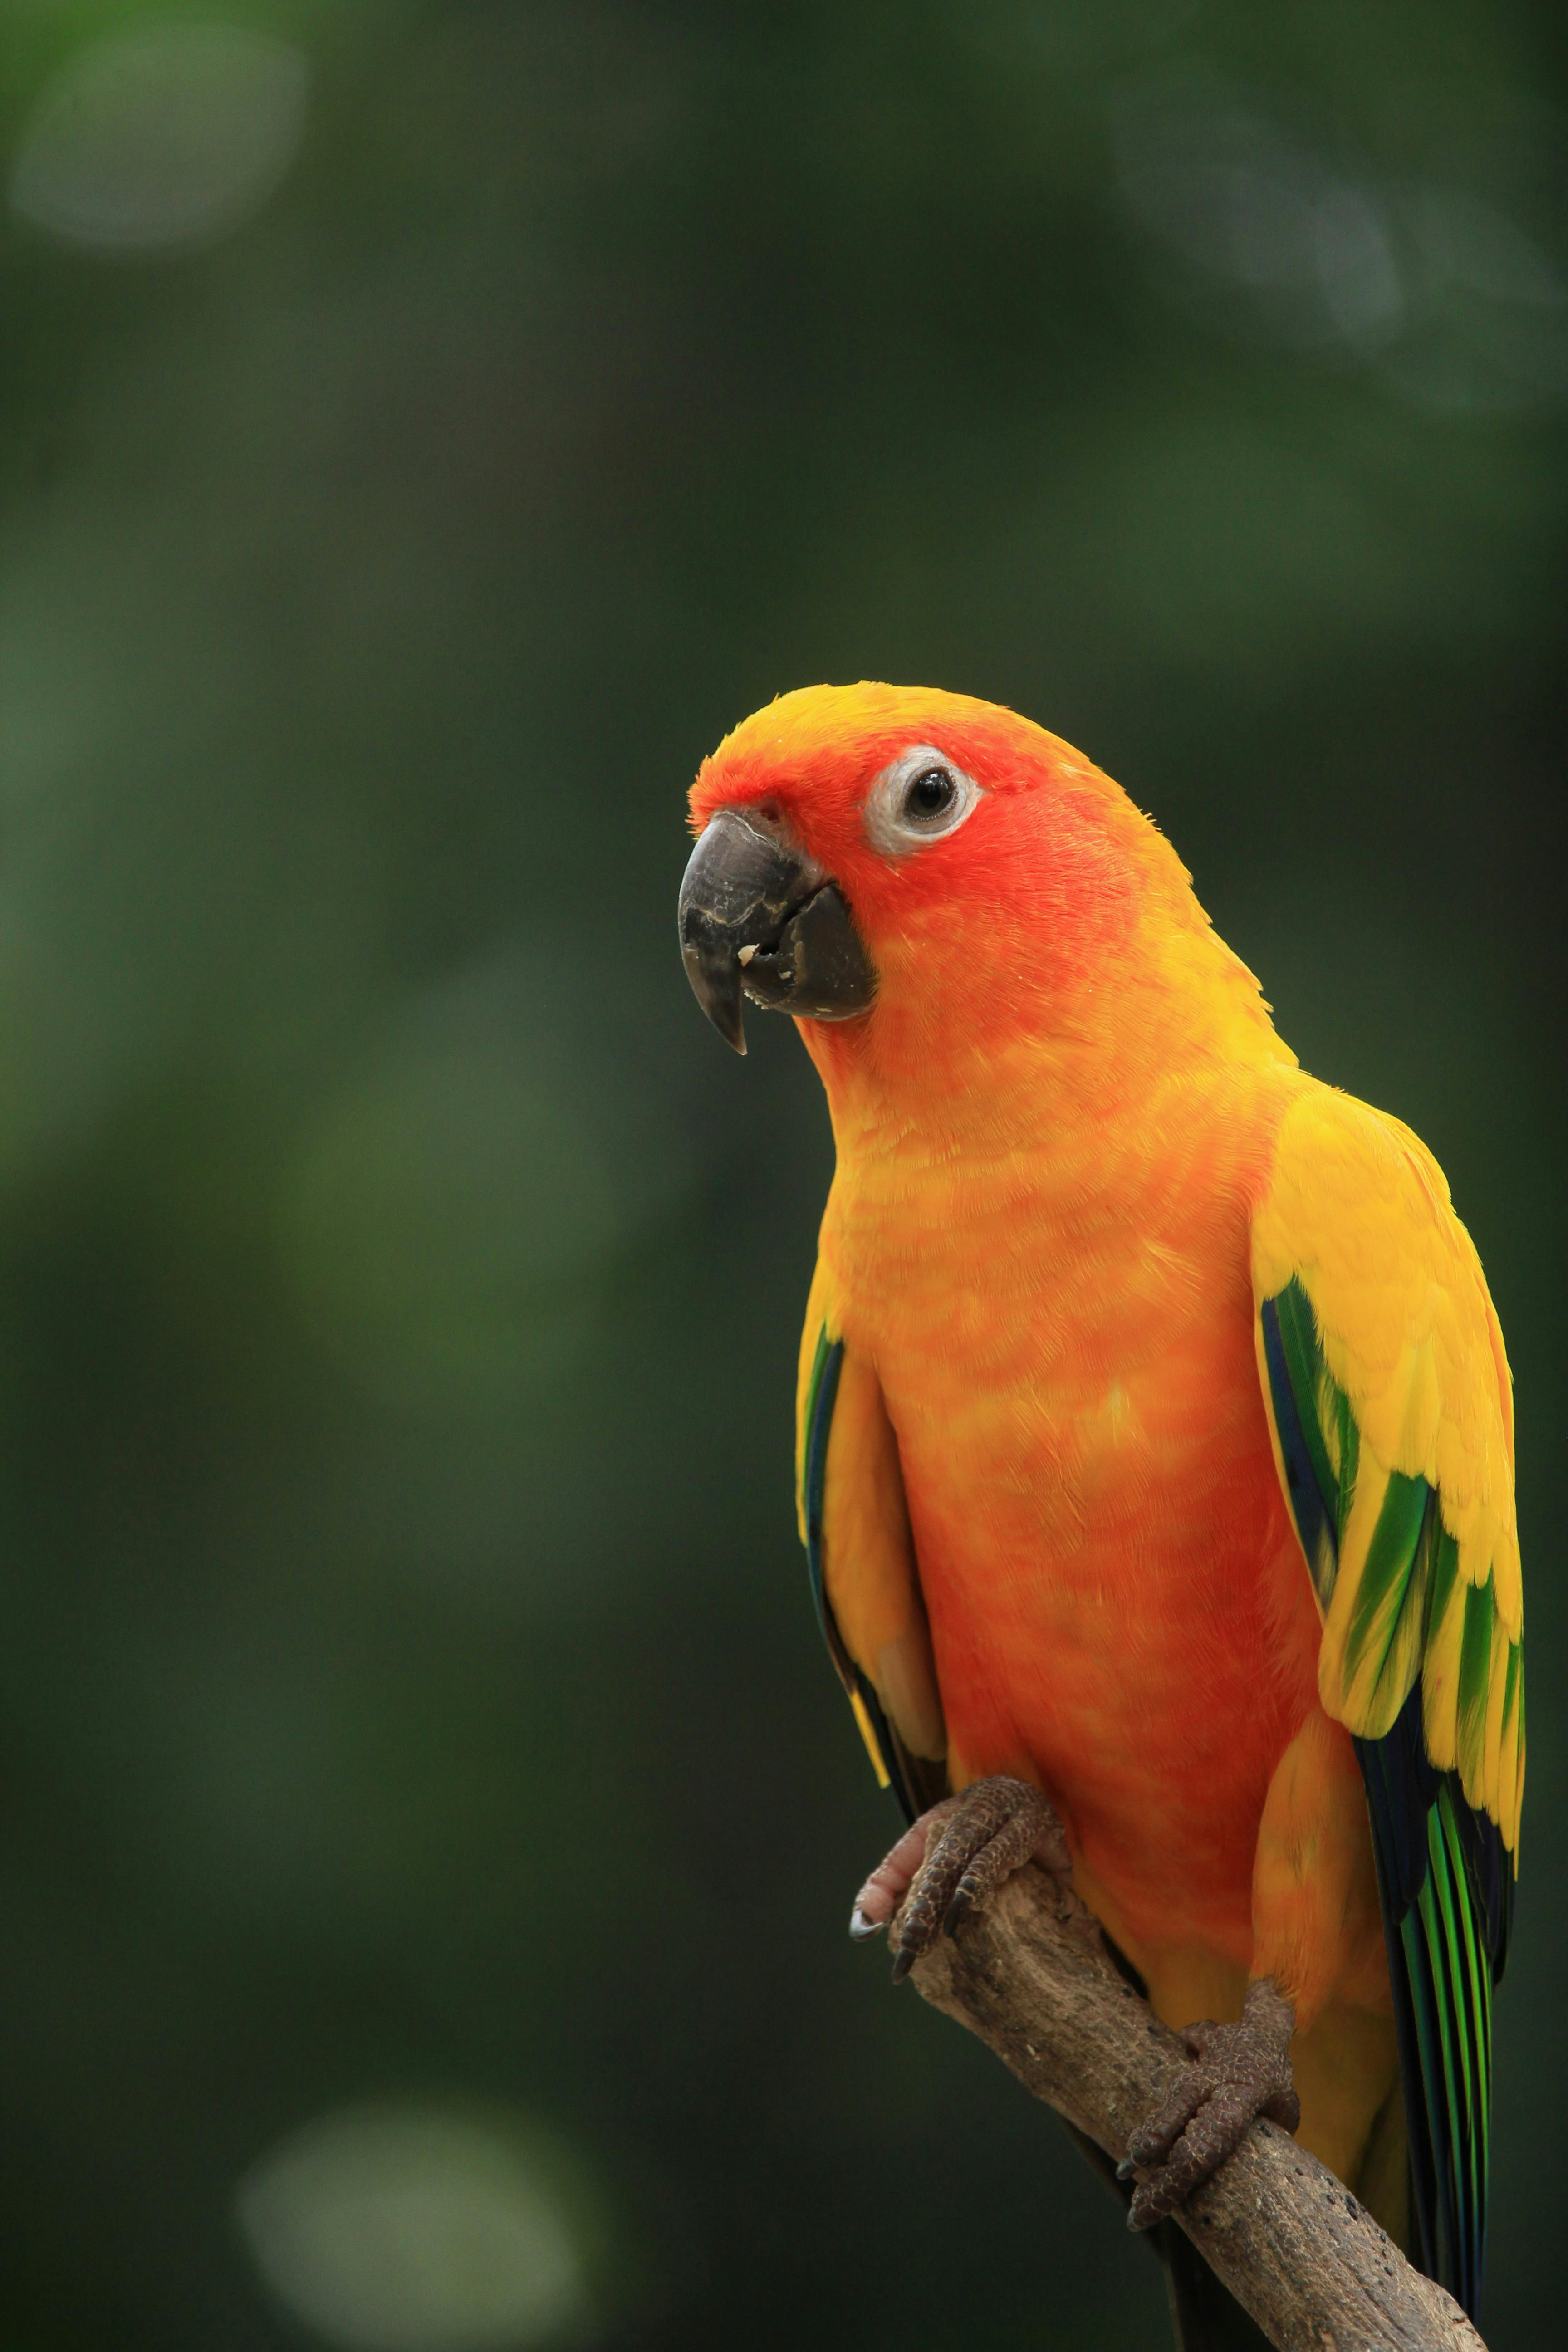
{"points": [[912, 864]]}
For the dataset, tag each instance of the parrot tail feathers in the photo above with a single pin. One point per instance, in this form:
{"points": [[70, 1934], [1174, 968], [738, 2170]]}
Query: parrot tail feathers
{"points": [[1446, 1892]]}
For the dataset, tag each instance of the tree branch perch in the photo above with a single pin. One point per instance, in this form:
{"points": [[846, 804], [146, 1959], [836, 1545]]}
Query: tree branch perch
{"points": [[1032, 1979]]}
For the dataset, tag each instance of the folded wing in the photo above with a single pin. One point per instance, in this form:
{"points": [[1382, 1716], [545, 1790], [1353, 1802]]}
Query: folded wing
{"points": [[1389, 1398], [860, 1555]]}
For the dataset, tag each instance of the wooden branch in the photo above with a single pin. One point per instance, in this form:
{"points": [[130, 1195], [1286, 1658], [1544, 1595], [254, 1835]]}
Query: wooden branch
{"points": [[1032, 1979]]}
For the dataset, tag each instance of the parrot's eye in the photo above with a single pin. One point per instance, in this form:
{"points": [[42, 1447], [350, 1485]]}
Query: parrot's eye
{"points": [[920, 797], [929, 795]]}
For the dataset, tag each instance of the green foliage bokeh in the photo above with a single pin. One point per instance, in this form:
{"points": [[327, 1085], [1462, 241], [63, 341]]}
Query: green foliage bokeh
{"points": [[407, 1685]]}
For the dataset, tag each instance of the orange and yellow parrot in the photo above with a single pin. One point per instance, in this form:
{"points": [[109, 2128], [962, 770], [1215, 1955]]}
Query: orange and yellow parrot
{"points": [[1155, 1444]]}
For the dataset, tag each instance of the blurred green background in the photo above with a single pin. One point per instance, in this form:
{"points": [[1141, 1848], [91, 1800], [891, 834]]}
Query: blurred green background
{"points": [[426, 1821]]}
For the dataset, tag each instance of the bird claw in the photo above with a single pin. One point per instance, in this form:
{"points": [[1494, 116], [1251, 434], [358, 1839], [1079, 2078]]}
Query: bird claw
{"points": [[953, 1861], [1239, 2072]]}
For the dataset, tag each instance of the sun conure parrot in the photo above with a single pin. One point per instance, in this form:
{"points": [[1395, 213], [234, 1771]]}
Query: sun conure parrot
{"points": [[1155, 1439]]}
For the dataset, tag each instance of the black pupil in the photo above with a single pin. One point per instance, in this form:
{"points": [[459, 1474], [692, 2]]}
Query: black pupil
{"points": [[931, 795]]}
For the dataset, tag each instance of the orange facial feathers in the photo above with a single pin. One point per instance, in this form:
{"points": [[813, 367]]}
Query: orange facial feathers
{"points": [[1041, 889]]}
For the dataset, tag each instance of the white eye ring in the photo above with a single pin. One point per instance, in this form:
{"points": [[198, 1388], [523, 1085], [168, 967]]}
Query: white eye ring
{"points": [[895, 820]]}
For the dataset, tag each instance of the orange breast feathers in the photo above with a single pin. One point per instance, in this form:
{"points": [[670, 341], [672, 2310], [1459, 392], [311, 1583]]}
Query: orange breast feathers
{"points": [[1115, 1595]]}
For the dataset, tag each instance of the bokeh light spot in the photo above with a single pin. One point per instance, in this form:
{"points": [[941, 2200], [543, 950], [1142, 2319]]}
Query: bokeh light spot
{"points": [[166, 137], [393, 2229], [1448, 297]]}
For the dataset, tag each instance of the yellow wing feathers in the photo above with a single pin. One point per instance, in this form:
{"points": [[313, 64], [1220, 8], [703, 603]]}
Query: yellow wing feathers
{"points": [[870, 1584], [1419, 1439]]}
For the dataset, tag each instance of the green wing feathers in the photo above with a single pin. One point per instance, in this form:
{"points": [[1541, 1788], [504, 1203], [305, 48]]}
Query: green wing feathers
{"points": [[1388, 1395], [1386, 1571]]}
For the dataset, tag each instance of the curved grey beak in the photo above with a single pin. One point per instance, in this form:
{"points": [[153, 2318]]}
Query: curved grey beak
{"points": [[759, 916]]}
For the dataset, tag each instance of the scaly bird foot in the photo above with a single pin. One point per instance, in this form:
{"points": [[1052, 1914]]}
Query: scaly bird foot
{"points": [[952, 1860], [1241, 2072]]}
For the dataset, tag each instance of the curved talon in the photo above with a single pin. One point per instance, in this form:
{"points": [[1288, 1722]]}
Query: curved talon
{"points": [[963, 1903], [1240, 2072]]}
